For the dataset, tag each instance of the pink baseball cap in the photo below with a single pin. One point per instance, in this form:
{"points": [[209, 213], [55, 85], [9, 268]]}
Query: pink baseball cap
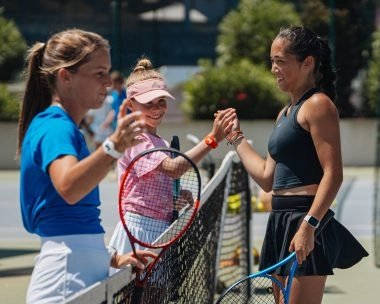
{"points": [[147, 90]]}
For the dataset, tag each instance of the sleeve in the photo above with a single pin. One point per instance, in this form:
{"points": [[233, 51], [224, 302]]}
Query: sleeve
{"points": [[58, 141], [152, 161]]}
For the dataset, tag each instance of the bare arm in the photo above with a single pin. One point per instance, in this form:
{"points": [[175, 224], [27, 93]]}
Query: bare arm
{"points": [[320, 117], [261, 170], [73, 179], [221, 127]]}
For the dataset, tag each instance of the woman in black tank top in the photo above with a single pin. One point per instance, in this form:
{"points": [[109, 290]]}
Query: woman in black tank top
{"points": [[303, 167]]}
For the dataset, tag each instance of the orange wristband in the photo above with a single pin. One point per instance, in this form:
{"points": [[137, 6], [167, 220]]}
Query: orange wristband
{"points": [[211, 141]]}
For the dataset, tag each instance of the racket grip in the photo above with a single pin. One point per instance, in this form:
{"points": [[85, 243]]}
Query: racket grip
{"points": [[137, 295], [175, 215]]}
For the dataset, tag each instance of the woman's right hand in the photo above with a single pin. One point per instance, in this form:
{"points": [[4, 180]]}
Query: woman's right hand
{"points": [[140, 262], [128, 127]]}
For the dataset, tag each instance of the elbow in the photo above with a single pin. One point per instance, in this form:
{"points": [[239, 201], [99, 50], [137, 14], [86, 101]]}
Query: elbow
{"points": [[267, 188], [69, 198], [68, 195], [266, 185]]}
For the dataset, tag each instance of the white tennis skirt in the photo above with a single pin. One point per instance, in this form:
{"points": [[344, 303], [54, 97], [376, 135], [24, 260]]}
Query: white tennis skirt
{"points": [[66, 265]]}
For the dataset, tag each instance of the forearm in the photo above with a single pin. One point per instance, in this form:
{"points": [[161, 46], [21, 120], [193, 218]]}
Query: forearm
{"points": [[74, 179], [255, 165], [198, 152]]}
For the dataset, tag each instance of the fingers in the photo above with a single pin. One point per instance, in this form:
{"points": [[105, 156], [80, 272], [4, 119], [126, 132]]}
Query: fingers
{"points": [[122, 109], [301, 252], [223, 123], [140, 260], [143, 258], [128, 127], [131, 117]]}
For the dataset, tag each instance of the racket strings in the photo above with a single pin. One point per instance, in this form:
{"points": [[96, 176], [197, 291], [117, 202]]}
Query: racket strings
{"points": [[157, 207], [258, 290]]}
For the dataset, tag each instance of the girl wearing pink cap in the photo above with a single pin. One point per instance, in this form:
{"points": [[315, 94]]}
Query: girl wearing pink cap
{"points": [[147, 93]]}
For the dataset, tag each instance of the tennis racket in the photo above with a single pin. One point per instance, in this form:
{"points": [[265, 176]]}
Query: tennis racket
{"points": [[177, 182], [262, 287], [146, 205]]}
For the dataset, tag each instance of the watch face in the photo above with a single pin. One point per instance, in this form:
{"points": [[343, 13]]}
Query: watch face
{"points": [[106, 146], [313, 221]]}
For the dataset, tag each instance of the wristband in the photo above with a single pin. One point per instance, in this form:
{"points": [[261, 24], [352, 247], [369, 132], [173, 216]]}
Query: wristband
{"points": [[234, 137], [109, 148], [211, 141]]}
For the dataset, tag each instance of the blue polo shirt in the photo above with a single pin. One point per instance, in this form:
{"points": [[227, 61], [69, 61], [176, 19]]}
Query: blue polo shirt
{"points": [[52, 134]]}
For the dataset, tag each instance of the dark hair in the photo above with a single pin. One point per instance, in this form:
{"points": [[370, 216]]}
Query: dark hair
{"points": [[67, 49], [303, 43]]}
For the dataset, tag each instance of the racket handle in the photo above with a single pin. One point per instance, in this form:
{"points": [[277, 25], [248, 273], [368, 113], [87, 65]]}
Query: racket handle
{"points": [[137, 295], [175, 215]]}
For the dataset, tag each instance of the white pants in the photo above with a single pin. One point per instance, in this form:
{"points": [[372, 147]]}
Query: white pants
{"points": [[66, 265]]}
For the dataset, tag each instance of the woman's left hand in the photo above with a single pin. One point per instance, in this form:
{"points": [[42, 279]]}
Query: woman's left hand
{"points": [[303, 242]]}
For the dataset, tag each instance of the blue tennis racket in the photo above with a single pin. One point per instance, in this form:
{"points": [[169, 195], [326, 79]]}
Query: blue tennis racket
{"points": [[262, 287]]}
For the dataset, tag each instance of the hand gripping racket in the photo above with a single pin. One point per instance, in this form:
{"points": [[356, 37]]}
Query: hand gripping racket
{"points": [[146, 205], [262, 287]]}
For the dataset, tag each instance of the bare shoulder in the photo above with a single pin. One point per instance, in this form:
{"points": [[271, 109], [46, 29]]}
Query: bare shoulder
{"points": [[317, 109]]}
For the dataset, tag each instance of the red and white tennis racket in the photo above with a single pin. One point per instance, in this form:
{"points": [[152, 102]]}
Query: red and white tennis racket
{"points": [[147, 204]]}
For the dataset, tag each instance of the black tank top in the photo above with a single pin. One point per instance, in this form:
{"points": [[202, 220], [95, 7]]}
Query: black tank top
{"points": [[292, 148]]}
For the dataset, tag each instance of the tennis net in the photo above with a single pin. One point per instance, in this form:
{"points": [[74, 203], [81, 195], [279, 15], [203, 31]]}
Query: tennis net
{"points": [[210, 256]]}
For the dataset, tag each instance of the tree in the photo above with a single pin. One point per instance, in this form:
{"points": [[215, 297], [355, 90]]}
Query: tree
{"points": [[12, 49], [371, 85], [349, 25], [248, 31], [241, 77]]}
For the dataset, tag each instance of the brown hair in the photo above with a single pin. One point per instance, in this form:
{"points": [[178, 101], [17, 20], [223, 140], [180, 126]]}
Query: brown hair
{"points": [[142, 71], [68, 49]]}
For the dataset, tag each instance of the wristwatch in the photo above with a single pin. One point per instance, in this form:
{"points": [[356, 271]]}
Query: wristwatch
{"points": [[211, 141], [312, 221], [109, 148]]}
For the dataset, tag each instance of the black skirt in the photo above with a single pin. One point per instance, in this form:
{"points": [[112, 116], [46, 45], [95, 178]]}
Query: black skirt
{"points": [[335, 246]]}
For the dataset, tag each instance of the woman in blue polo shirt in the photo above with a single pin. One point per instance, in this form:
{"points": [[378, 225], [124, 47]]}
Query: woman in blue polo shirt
{"points": [[59, 193]]}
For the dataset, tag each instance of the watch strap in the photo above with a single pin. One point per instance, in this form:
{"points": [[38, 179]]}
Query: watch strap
{"points": [[109, 148]]}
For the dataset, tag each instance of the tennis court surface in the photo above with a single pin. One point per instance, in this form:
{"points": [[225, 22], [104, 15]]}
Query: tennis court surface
{"points": [[354, 207]]}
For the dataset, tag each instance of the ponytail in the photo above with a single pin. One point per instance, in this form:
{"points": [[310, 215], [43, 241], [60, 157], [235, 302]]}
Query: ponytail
{"points": [[327, 76], [37, 95]]}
